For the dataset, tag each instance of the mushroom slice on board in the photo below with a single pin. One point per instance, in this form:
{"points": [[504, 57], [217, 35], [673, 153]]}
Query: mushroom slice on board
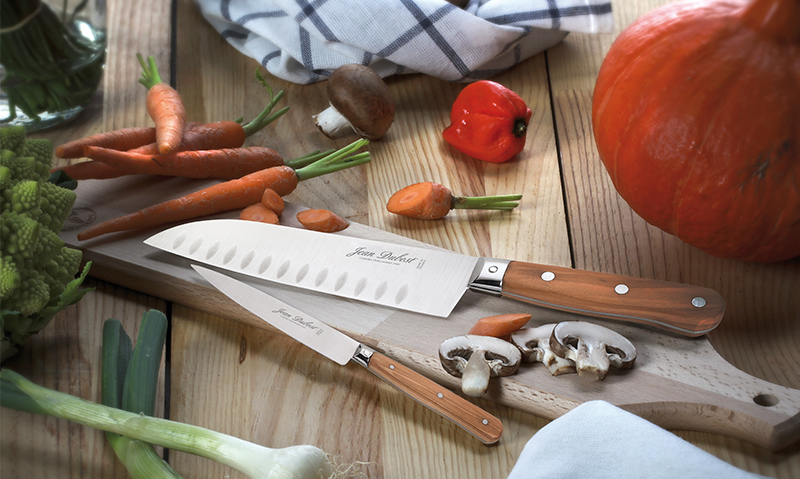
{"points": [[593, 347], [477, 358], [534, 343], [360, 101]]}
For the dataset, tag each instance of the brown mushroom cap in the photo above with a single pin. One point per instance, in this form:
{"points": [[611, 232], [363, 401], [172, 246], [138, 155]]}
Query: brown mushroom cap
{"points": [[593, 347], [477, 358], [534, 343], [360, 95]]}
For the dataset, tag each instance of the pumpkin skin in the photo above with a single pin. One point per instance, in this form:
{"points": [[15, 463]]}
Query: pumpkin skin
{"points": [[696, 117]]}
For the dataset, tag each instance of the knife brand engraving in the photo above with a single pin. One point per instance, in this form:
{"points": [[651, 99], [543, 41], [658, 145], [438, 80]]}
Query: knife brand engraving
{"points": [[297, 319], [383, 256]]}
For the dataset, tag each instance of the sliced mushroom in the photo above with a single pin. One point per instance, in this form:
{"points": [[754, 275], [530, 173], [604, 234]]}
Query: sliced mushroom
{"points": [[593, 347], [477, 358], [534, 343], [359, 100]]}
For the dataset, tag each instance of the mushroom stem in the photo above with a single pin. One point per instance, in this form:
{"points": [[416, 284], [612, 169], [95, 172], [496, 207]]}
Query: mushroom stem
{"points": [[475, 378], [591, 359], [332, 123]]}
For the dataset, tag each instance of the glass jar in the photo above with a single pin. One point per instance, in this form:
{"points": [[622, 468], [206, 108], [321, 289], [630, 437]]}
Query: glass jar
{"points": [[52, 54]]}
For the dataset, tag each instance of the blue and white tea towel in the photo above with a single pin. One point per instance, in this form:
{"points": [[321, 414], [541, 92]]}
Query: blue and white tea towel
{"points": [[303, 41]]}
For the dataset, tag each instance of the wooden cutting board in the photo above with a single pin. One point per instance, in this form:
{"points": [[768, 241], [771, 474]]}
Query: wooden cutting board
{"points": [[677, 382]]}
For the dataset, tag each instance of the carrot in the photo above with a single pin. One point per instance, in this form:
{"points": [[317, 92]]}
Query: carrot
{"points": [[165, 106], [273, 201], [500, 326], [90, 170], [259, 212], [224, 164], [123, 139], [430, 201], [322, 220], [230, 195], [203, 136]]}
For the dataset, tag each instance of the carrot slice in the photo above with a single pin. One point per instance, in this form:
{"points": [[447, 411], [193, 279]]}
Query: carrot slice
{"points": [[499, 326], [259, 212], [272, 200], [322, 220]]}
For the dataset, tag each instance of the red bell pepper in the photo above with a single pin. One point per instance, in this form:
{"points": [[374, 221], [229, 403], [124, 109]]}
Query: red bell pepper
{"points": [[488, 122]]}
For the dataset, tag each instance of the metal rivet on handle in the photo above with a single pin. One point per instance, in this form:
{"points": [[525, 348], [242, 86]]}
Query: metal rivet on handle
{"points": [[493, 269], [485, 422], [621, 289], [548, 276], [391, 366], [440, 395], [698, 302]]}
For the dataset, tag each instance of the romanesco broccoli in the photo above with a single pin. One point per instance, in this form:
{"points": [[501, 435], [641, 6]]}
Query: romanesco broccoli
{"points": [[37, 270]]}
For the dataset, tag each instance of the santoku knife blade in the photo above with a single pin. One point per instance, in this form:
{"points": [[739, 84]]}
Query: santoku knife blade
{"points": [[341, 348], [432, 281]]}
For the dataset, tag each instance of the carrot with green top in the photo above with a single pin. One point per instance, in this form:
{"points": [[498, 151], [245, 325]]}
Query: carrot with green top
{"points": [[230, 195], [429, 201], [123, 139], [224, 134], [223, 164], [322, 220], [165, 107]]}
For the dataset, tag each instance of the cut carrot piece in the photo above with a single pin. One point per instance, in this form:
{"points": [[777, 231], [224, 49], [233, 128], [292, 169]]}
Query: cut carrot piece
{"points": [[322, 220], [499, 326], [259, 212], [273, 201]]}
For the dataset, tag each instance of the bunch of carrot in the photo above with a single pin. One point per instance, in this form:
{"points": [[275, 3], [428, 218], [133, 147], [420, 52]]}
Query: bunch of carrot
{"points": [[174, 147], [253, 175], [233, 194]]}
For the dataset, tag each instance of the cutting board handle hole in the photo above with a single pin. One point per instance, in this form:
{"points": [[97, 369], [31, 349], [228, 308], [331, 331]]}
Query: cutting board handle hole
{"points": [[766, 400]]}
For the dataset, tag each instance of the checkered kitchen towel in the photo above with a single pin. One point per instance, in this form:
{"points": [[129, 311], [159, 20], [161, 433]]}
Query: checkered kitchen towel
{"points": [[303, 41]]}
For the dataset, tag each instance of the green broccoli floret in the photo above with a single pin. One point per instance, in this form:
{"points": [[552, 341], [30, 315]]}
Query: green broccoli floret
{"points": [[37, 271]]}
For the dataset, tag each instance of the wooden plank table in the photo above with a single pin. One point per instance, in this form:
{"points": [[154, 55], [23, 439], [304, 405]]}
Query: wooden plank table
{"points": [[260, 386]]}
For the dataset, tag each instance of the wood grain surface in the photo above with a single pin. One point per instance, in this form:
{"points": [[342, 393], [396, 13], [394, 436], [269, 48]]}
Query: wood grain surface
{"points": [[243, 380]]}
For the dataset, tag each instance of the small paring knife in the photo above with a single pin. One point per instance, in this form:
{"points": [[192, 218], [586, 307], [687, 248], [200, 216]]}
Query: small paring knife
{"points": [[342, 349]]}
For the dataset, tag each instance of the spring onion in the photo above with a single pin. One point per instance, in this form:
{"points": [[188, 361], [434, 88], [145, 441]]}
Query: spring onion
{"points": [[253, 460], [130, 381]]}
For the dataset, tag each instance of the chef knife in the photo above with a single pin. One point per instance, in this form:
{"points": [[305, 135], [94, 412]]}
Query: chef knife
{"points": [[432, 281], [342, 349]]}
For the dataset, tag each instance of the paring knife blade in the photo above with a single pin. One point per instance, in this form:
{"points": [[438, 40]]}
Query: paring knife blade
{"points": [[432, 281], [341, 348]]}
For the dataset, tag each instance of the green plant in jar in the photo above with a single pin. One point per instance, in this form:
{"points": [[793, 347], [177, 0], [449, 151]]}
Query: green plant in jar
{"points": [[51, 59]]}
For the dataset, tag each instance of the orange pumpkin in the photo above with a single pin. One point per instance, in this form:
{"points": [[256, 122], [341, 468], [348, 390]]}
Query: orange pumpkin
{"points": [[696, 116]]}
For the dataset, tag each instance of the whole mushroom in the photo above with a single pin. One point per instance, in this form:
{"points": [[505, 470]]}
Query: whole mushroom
{"points": [[477, 358], [534, 343], [593, 347], [360, 101]]}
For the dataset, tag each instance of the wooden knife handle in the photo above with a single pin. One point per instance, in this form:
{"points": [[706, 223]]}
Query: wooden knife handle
{"points": [[435, 397], [680, 308]]}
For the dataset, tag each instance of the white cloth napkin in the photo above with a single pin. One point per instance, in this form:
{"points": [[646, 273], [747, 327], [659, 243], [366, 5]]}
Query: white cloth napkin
{"points": [[303, 41], [599, 440]]}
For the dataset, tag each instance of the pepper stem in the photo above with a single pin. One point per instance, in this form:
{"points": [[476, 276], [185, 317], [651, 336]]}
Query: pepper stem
{"points": [[500, 202], [520, 127]]}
